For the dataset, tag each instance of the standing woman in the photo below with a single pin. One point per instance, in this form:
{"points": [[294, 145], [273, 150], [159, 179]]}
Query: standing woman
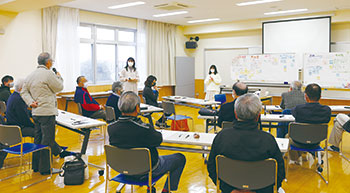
{"points": [[129, 76], [212, 81]]}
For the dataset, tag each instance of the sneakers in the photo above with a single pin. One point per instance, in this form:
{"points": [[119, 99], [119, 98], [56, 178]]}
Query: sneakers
{"points": [[333, 148], [54, 171], [66, 153], [162, 125]]}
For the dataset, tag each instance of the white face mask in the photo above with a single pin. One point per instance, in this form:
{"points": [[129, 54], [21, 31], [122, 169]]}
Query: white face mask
{"points": [[86, 84], [212, 70], [130, 64], [11, 84]]}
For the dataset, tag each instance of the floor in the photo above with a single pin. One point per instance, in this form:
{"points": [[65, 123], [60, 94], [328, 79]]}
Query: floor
{"points": [[195, 176]]}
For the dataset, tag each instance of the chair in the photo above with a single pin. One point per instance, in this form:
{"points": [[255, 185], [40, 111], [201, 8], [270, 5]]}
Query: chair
{"points": [[246, 175], [226, 125], [220, 98], [307, 137], [133, 161], [80, 109], [2, 107], [169, 109], [110, 114], [11, 135]]}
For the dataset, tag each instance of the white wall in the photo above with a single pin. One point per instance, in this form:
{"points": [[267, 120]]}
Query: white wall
{"points": [[21, 44]]}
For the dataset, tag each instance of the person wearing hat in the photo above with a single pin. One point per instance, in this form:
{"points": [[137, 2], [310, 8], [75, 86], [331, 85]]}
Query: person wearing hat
{"points": [[112, 101]]}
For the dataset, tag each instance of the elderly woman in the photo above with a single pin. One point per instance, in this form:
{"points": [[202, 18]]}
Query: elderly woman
{"points": [[112, 101]]}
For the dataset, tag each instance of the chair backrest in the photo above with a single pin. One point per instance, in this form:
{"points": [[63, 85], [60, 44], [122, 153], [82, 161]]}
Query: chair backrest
{"points": [[10, 134], [220, 98], [110, 114], [2, 107], [144, 99], [226, 124], [168, 107], [80, 109], [308, 133], [133, 161], [249, 175]]}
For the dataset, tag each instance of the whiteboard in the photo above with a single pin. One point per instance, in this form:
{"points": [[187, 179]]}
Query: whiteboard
{"points": [[269, 68], [222, 59], [330, 70]]}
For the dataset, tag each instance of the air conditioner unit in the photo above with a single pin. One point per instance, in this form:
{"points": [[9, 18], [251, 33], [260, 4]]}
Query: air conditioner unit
{"points": [[171, 6]]}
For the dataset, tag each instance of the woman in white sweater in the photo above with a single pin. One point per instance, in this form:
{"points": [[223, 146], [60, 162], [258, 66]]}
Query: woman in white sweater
{"points": [[212, 81]]}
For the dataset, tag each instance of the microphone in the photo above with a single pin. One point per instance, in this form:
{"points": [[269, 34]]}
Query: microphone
{"points": [[54, 70]]}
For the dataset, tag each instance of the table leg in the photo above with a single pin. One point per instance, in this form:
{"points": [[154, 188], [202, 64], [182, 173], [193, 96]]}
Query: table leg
{"points": [[66, 105], [86, 140], [207, 125]]}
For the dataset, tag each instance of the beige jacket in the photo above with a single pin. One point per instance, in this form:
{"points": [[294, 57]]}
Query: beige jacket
{"points": [[41, 86]]}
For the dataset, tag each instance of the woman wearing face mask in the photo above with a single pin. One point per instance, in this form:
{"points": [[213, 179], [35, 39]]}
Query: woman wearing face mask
{"points": [[150, 95], [212, 81], [7, 84], [129, 76]]}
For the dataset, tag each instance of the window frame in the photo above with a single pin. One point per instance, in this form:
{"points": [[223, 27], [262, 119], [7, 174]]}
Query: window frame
{"points": [[93, 41]]}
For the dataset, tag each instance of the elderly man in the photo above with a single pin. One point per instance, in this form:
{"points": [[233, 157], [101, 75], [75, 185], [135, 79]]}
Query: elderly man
{"points": [[290, 99], [293, 97], [130, 132], [7, 83], [112, 101], [39, 92], [245, 142], [89, 105], [337, 131], [312, 112], [17, 112], [226, 112]]}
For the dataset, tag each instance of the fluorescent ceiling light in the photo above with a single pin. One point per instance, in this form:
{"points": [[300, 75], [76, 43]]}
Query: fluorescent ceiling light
{"points": [[171, 13], [286, 11], [126, 5], [203, 20], [2, 2], [256, 2]]}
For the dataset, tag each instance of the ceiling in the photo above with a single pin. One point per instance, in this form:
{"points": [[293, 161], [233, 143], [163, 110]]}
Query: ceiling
{"points": [[26, 5], [226, 10]]}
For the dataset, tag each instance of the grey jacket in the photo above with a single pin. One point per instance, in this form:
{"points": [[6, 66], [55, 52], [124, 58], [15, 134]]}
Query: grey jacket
{"points": [[292, 99], [41, 86]]}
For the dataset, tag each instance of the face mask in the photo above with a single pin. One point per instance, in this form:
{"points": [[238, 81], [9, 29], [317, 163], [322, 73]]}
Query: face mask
{"points": [[212, 70], [86, 84], [11, 84], [130, 64]]}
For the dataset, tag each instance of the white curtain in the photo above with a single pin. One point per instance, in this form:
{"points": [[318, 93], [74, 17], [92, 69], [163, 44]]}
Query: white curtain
{"points": [[161, 38], [141, 53], [49, 30], [67, 51]]}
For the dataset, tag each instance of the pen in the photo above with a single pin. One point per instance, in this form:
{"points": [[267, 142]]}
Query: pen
{"points": [[187, 136], [180, 135]]}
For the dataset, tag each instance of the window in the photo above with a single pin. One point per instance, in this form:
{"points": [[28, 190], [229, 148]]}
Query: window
{"points": [[104, 51]]}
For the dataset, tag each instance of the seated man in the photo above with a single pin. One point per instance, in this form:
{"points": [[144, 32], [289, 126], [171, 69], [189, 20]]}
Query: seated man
{"points": [[312, 112], [89, 105], [112, 101], [226, 112], [337, 132], [17, 112], [290, 99], [130, 132], [7, 83], [245, 141]]}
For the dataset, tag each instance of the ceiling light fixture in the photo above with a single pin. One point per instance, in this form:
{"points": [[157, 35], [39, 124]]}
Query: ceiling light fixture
{"points": [[171, 13], [286, 11], [203, 20], [126, 5], [256, 2]]}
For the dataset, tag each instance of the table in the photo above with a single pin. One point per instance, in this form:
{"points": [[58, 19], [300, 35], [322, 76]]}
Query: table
{"points": [[183, 100], [205, 139], [147, 110], [81, 125], [334, 108], [95, 95]]}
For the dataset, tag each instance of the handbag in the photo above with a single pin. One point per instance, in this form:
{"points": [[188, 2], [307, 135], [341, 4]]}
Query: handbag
{"points": [[207, 112], [73, 170]]}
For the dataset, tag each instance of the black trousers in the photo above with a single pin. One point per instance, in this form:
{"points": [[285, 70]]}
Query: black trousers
{"points": [[44, 134]]}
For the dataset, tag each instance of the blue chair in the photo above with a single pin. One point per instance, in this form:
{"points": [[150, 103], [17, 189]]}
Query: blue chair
{"points": [[220, 98], [11, 135], [169, 109], [129, 162], [307, 138], [282, 129]]}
